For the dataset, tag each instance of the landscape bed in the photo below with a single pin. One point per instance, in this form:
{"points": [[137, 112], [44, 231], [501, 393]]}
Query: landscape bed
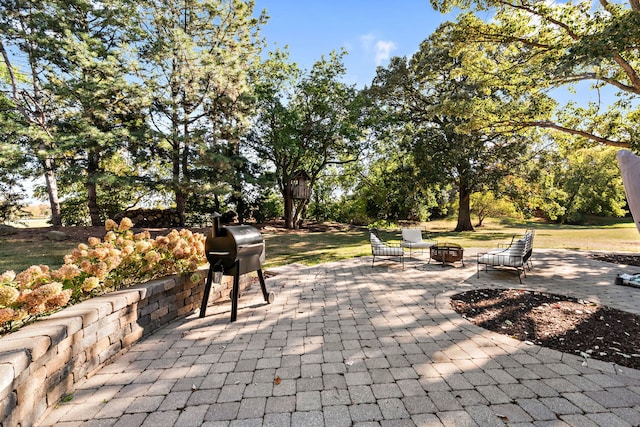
{"points": [[573, 326]]}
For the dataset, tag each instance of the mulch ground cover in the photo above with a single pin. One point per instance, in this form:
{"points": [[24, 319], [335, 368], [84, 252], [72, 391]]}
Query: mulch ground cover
{"points": [[558, 322]]}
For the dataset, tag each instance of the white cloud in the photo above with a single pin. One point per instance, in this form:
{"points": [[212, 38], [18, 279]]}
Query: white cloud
{"points": [[383, 50], [367, 41], [380, 49]]}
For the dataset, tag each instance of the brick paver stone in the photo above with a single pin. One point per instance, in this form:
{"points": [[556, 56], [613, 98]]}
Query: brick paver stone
{"points": [[347, 344], [277, 420], [335, 397], [457, 418], [252, 408], [365, 412], [161, 418], [392, 409], [337, 416], [310, 419], [132, 420]]}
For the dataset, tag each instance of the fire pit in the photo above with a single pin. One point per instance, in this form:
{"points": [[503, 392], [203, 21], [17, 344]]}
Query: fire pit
{"points": [[231, 251], [447, 253]]}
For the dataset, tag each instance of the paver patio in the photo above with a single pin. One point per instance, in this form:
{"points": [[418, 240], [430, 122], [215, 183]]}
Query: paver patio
{"points": [[346, 344]]}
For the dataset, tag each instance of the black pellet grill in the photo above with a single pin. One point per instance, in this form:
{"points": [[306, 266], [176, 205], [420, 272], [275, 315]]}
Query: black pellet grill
{"points": [[233, 250]]}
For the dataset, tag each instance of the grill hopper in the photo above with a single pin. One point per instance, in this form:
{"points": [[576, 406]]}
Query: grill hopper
{"points": [[232, 251]]}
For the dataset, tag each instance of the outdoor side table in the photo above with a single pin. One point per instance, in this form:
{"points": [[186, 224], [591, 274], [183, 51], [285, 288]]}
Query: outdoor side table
{"points": [[447, 253]]}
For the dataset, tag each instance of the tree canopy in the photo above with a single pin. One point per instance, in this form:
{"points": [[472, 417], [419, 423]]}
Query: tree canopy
{"points": [[551, 46], [436, 103], [196, 59], [177, 105], [305, 122]]}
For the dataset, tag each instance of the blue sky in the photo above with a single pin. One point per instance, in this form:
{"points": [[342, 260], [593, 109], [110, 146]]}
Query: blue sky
{"points": [[370, 30]]}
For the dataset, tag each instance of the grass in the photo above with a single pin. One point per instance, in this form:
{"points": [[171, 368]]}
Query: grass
{"points": [[318, 247], [18, 255], [315, 248]]}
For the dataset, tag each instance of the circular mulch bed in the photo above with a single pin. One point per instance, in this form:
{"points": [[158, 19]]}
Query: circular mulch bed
{"points": [[558, 322], [623, 259]]}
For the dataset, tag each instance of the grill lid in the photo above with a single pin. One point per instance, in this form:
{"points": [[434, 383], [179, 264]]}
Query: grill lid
{"points": [[227, 244]]}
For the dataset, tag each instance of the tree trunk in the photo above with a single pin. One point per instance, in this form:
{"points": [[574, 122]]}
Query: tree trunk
{"points": [[181, 204], [177, 177], [464, 209], [241, 209], [185, 183], [301, 213], [92, 203], [288, 208], [92, 191], [177, 188], [52, 190]]}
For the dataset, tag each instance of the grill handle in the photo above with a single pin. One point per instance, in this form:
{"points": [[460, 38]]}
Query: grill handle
{"points": [[253, 245], [225, 253]]}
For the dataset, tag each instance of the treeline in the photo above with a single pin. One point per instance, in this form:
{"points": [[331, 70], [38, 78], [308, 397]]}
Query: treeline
{"points": [[152, 103]]}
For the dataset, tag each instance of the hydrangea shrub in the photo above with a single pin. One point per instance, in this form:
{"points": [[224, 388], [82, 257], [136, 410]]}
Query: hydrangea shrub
{"points": [[120, 259]]}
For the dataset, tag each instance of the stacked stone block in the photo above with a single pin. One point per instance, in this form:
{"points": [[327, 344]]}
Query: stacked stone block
{"points": [[40, 363]]}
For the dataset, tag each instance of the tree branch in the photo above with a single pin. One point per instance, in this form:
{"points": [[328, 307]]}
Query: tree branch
{"points": [[584, 134], [5, 57], [502, 38], [594, 76], [629, 71], [556, 22]]}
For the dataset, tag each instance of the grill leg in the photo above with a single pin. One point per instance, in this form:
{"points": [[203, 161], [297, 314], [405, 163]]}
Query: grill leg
{"points": [[263, 285], [269, 297], [207, 291], [236, 291]]}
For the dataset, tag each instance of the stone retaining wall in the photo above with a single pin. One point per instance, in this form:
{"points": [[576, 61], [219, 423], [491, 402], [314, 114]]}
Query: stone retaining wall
{"points": [[40, 363]]}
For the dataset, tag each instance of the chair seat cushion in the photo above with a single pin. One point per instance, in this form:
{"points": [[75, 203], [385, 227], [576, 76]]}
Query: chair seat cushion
{"points": [[507, 258], [387, 251], [417, 245]]}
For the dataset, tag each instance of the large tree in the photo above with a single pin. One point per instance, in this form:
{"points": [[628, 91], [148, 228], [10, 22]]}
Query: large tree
{"points": [[196, 59], [437, 106], [75, 96], [102, 109], [558, 45], [306, 122], [23, 36], [12, 160]]}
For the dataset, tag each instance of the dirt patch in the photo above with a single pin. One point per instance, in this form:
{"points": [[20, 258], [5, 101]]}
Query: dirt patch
{"points": [[77, 234], [308, 227], [558, 322], [81, 234]]}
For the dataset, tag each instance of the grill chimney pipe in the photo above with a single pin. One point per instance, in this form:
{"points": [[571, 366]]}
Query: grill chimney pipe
{"points": [[215, 230]]}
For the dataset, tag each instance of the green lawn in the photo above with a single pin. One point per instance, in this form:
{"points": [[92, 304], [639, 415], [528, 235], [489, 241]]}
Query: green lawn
{"points": [[19, 256], [318, 247], [313, 248]]}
